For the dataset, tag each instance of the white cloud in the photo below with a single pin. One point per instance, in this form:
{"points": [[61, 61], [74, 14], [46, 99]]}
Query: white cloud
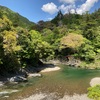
{"points": [[80, 9], [50, 19], [68, 1], [49, 8], [73, 11], [86, 6], [67, 8]]}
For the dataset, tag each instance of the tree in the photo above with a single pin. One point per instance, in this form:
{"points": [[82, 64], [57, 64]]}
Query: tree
{"points": [[5, 24], [86, 51], [96, 41], [72, 40], [10, 42], [33, 48], [89, 30], [1, 49]]}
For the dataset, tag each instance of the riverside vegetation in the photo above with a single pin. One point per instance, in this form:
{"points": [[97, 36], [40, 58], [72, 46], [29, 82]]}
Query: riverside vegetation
{"points": [[24, 43]]}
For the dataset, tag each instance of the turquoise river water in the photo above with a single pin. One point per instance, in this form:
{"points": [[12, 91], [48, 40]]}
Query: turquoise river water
{"points": [[65, 81]]}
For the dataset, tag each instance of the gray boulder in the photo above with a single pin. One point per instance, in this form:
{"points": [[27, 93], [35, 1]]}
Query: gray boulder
{"points": [[17, 79]]}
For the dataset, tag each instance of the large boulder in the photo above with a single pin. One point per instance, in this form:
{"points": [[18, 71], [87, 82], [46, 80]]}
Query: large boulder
{"points": [[17, 79], [95, 81]]}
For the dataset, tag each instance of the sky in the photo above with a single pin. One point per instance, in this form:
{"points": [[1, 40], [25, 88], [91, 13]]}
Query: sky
{"points": [[36, 10]]}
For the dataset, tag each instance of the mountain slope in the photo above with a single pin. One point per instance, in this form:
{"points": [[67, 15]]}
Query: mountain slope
{"points": [[16, 18]]}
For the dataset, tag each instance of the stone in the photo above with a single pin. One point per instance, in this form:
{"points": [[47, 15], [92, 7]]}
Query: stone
{"points": [[50, 69], [4, 92], [95, 81], [1, 84], [17, 79], [35, 75], [6, 96]]}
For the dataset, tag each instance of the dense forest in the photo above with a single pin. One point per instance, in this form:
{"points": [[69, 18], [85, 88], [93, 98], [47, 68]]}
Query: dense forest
{"points": [[24, 43]]}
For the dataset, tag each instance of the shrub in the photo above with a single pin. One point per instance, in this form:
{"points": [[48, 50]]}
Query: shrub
{"points": [[94, 92]]}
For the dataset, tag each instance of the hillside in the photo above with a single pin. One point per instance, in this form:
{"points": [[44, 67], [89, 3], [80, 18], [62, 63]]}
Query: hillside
{"points": [[20, 45], [16, 18], [75, 35], [72, 38]]}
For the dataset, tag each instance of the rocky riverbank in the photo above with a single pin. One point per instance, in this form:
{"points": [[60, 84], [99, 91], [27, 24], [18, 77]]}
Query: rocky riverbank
{"points": [[28, 73], [52, 96]]}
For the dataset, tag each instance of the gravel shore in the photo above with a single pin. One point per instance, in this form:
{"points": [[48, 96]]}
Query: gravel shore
{"points": [[52, 96]]}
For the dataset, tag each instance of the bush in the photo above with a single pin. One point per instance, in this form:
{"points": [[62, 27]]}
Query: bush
{"points": [[94, 92]]}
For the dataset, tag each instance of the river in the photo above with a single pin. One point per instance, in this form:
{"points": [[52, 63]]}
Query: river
{"points": [[68, 81]]}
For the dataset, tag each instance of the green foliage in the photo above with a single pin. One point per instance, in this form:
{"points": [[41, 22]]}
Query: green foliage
{"points": [[10, 42], [21, 45], [86, 51], [41, 48], [49, 36], [5, 23], [72, 40], [96, 41], [57, 19], [83, 43], [94, 92], [33, 47], [96, 16], [53, 37], [17, 20], [89, 30]]}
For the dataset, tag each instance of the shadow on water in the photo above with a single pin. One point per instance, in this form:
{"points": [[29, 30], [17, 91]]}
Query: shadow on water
{"points": [[65, 81]]}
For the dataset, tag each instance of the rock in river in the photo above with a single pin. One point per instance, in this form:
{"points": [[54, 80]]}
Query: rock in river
{"points": [[95, 81], [17, 79], [1, 84], [34, 75]]}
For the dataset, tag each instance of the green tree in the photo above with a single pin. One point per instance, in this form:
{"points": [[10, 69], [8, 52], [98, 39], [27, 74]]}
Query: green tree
{"points": [[86, 51], [5, 24], [72, 40], [33, 48], [10, 42], [89, 30], [96, 41]]}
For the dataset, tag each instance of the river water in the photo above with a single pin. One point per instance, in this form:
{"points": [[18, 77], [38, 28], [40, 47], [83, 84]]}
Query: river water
{"points": [[65, 81]]}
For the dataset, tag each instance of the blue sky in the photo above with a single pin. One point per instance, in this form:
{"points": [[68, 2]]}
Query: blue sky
{"points": [[36, 10]]}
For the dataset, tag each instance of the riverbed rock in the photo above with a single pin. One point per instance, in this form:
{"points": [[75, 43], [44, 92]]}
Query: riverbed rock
{"points": [[1, 84], [34, 75], [4, 92], [95, 81], [17, 79], [50, 69], [8, 92]]}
